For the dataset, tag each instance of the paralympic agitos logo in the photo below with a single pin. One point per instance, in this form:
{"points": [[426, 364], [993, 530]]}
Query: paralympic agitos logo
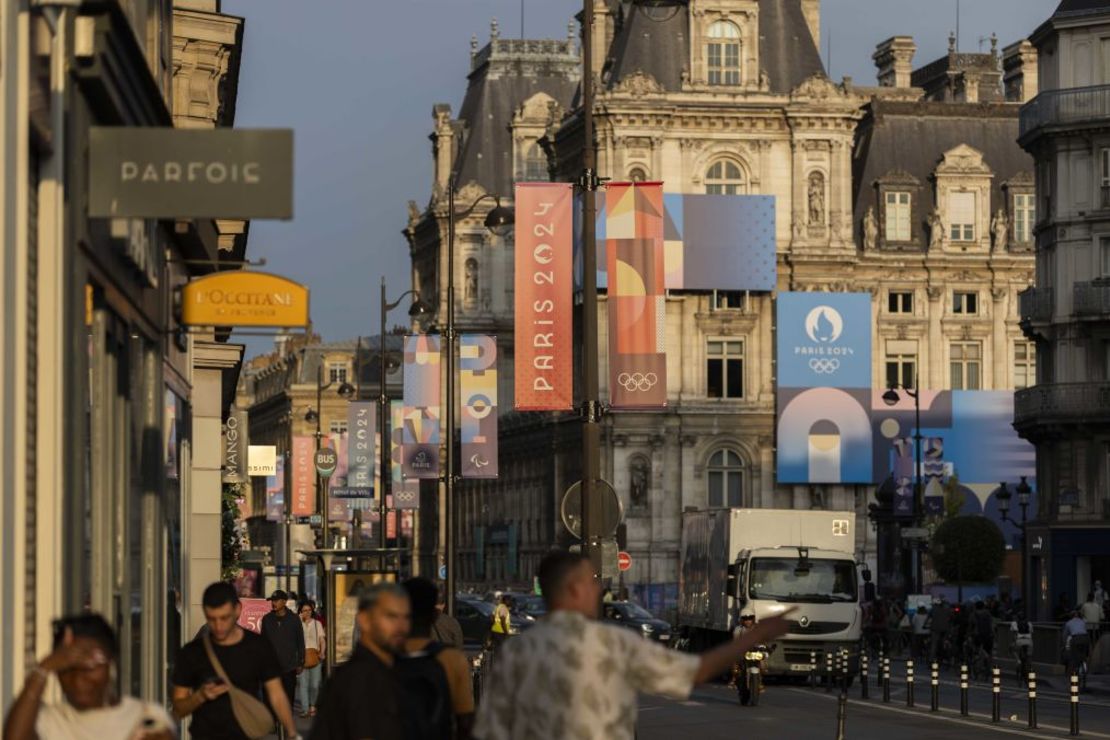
{"points": [[823, 326]]}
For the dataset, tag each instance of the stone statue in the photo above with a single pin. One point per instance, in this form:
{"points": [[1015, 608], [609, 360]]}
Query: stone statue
{"points": [[764, 80], [1000, 228], [470, 287], [816, 199], [936, 229], [638, 493], [870, 229]]}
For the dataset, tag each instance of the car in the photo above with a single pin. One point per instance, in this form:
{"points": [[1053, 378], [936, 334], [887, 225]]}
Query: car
{"points": [[636, 618]]}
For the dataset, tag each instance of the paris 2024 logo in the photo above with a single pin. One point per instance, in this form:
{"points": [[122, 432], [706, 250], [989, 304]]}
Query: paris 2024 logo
{"points": [[824, 325]]}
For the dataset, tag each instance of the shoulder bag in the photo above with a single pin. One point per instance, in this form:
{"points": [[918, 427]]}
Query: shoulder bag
{"points": [[312, 654], [252, 716]]}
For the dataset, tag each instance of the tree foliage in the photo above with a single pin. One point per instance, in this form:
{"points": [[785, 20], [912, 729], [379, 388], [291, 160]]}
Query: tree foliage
{"points": [[968, 549], [231, 534]]}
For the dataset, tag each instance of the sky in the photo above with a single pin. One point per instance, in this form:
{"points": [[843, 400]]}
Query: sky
{"points": [[356, 80]]}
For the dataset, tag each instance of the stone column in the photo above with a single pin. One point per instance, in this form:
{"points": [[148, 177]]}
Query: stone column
{"points": [[1000, 360], [935, 350]]}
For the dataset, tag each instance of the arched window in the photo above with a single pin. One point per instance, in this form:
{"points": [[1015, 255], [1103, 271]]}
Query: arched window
{"points": [[726, 479], [723, 54], [637, 174], [724, 178], [534, 166]]}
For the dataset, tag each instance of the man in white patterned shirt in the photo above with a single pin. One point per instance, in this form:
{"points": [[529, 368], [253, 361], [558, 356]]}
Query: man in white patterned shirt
{"points": [[571, 676]]}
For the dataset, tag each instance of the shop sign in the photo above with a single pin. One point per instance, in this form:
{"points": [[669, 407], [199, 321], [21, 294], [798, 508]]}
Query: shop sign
{"points": [[235, 447], [262, 460], [244, 299], [163, 172]]}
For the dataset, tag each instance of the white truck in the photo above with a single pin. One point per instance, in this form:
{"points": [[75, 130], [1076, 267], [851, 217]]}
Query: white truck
{"points": [[764, 561]]}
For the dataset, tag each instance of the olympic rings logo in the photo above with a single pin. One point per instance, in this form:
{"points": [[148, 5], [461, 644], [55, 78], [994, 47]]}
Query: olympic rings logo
{"points": [[637, 382], [824, 366], [404, 496]]}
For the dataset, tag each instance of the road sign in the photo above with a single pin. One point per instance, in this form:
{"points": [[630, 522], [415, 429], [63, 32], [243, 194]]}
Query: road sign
{"points": [[915, 533], [612, 511], [624, 561], [326, 460]]}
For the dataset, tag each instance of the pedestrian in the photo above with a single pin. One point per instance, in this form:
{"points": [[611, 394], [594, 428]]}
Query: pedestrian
{"points": [[607, 595], [84, 661], [1092, 615], [446, 629], [225, 657], [283, 629], [435, 677], [983, 623], [920, 624], [502, 623], [939, 626], [571, 676], [315, 649], [1100, 594], [362, 698]]}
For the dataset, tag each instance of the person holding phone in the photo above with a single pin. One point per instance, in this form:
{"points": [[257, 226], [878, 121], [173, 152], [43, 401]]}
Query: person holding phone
{"points": [[83, 659]]}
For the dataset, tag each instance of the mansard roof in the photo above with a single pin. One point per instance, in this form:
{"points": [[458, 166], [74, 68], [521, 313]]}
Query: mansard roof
{"points": [[661, 47], [504, 74], [898, 137], [1082, 6]]}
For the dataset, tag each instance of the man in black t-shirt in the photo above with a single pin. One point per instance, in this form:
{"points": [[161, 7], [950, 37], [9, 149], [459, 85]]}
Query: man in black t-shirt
{"points": [[247, 658]]}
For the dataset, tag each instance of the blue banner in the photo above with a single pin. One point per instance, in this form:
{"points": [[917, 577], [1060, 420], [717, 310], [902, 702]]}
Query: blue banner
{"points": [[824, 340]]}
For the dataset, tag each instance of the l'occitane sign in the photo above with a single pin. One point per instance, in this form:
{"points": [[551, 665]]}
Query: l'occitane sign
{"points": [[244, 299]]}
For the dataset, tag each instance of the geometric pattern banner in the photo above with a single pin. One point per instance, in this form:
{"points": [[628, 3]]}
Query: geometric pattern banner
{"points": [[543, 256], [478, 396], [406, 493], [636, 302], [420, 437], [362, 431], [275, 492], [304, 476]]}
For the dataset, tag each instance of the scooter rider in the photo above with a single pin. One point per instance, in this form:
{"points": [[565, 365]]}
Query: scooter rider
{"points": [[745, 623]]}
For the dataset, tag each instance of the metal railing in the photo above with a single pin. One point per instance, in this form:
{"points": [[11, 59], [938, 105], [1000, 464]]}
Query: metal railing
{"points": [[1035, 304], [1063, 107], [1071, 401], [1092, 299]]}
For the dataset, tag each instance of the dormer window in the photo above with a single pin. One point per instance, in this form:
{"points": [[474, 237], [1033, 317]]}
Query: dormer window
{"points": [[723, 54], [534, 165]]}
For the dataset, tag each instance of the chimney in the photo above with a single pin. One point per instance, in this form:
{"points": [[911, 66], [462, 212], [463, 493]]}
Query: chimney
{"points": [[894, 61], [1019, 71], [811, 9]]}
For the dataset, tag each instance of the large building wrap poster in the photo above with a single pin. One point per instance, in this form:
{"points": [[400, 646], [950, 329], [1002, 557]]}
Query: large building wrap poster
{"points": [[637, 302], [544, 254], [478, 395], [824, 388], [420, 440]]}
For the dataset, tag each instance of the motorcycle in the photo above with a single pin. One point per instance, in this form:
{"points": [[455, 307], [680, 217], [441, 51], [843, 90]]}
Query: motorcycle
{"points": [[749, 682]]}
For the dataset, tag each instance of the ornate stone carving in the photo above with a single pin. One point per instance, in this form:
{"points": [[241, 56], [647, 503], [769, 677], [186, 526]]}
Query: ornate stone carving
{"points": [[901, 331], [816, 199], [935, 292], [638, 84], [963, 160], [414, 213], [870, 228], [999, 294], [469, 192], [817, 87]]}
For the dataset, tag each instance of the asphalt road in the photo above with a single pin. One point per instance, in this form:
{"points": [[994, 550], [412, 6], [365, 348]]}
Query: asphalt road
{"points": [[790, 711]]}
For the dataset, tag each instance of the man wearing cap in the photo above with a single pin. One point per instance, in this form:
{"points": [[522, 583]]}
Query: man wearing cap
{"points": [[283, 629]]}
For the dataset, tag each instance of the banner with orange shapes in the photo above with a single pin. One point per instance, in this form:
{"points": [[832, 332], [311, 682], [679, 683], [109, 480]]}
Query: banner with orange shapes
{"points": [[637, 295], [544, 254], [304, 476]]}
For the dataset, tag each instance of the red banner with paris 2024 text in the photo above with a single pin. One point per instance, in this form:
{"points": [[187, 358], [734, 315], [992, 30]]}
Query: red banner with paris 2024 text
{"points": [[544, 255]]}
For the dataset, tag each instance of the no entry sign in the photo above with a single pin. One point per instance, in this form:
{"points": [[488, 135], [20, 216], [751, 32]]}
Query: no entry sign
{"points": [[624, 561]]}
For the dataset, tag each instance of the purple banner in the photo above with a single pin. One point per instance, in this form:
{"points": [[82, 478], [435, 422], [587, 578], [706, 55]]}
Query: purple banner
{"points": [[420, 440], [275, 492], [362, 433], [478, 394]]}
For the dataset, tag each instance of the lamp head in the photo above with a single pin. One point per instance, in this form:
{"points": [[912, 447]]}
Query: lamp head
{"points": [[311, 415], [891, 398], [500, 220], [1003, 495], [346, 391], [419, 308], [1024, 492]]}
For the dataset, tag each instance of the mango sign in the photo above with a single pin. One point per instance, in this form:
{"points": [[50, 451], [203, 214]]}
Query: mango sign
{"points": [[244, 299]]}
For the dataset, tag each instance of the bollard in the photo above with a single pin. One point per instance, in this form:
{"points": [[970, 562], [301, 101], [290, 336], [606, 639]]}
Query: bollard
{"points": [[844, 661], [812, 669], [828, 671], [879, 672], [934, 680], [1032, 700], [996, 695], [1074, 705], [886, 680], [909, 683], [863, 675], [963, 689], [841, 714]]}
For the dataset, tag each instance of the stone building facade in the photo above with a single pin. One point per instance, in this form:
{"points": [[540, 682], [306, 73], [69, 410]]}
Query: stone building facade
{"points": [[1067, 412], [911, 191]]}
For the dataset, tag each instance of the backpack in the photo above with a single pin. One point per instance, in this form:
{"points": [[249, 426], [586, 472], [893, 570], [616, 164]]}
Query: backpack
{"points": [[425, 693]]}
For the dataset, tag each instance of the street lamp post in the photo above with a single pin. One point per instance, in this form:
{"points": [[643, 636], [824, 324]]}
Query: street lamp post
{"points": [[1024, 493], [418, 308], [891, 398], [499, 221]]}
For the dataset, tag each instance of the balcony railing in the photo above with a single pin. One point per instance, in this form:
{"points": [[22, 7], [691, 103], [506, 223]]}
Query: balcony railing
{"points": [[1072, 106], [1035, 304], [1062, 402], [1092, 299]]}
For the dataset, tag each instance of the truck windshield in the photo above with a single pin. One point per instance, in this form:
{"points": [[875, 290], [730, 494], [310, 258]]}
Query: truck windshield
{"points": [[825, 582]]}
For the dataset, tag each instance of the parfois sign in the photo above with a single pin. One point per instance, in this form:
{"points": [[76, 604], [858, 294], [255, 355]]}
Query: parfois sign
{"points": [[244, 299], [544, 251], [166, 172]]}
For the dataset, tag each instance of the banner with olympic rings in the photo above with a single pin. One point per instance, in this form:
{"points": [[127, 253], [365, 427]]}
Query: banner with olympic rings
{"points": [[478, 396], [543, 282], [420, 441], [636, 303]]}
